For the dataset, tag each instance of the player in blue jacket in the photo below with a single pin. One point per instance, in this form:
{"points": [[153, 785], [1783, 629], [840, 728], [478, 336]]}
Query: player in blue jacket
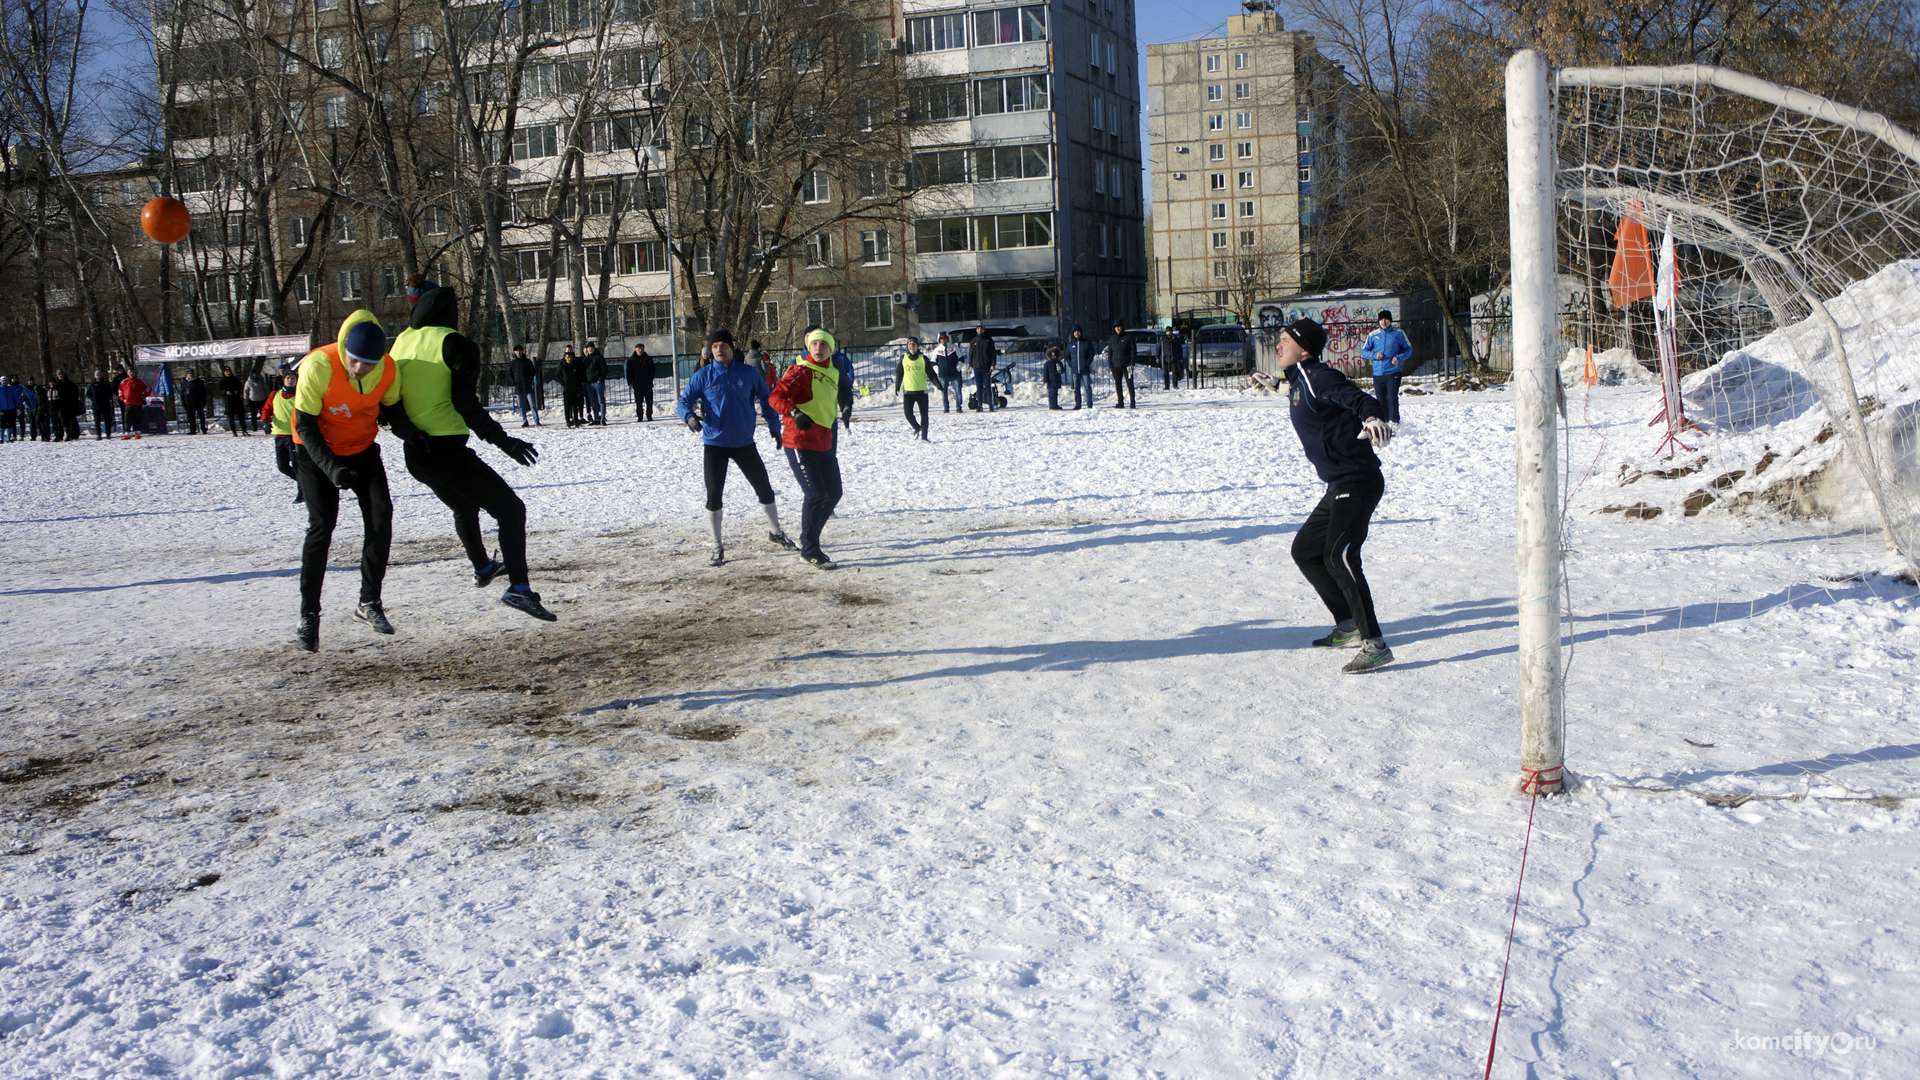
{"points": [[718, 403], [1336, 423], [1389, 350]]}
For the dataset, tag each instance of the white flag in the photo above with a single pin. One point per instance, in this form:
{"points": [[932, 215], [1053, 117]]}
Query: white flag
{"points": [[1666, 280]]}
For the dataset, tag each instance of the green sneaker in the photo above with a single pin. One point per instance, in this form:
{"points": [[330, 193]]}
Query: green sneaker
{"points": [[1341, 638], [1372, 656]]}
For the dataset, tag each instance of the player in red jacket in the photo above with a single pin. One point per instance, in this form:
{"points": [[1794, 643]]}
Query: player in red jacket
{"points": [[133, 402]]}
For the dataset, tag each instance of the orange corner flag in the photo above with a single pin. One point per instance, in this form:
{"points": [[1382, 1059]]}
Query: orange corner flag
{"points": [[1591, 375], [1632, 277]]}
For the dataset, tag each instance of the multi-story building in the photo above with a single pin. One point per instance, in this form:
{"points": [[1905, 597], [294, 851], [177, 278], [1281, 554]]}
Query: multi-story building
{"points": [[1245, 133], [1028, 166]]}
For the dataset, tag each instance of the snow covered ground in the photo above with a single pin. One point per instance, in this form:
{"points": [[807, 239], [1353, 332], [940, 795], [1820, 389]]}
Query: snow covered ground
{"points": [[1045, 781]]}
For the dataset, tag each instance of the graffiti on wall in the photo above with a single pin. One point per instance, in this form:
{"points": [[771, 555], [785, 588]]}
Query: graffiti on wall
{"points": [[1347, 327]]}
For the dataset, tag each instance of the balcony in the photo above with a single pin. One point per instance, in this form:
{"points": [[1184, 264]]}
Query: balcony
{"points": [[978, 265]]}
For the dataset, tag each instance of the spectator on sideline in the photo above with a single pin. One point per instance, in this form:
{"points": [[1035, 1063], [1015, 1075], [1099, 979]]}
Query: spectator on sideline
{"points": [[133, 402], [573, 388], [946, 362], [38, 409], [256, 393], [593, 365], [640, 378], [1053, 374], [1080, 354], [981, 357], [66, 408], [1120, 362], [232, 394], [11, 400], [193, 402], [1173, 358], [525, 378], [100, 395], [1389, 350]]}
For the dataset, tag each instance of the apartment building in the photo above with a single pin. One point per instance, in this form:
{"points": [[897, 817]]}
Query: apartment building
{"points": [[1244, 131]]}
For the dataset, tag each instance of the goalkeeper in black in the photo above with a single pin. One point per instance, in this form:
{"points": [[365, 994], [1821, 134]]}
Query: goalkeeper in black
{"points": [[1339, 426], [439, 372]]}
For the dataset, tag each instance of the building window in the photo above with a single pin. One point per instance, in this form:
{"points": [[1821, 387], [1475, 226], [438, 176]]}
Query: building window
{"points": [[1243, 119], [329, 50], [1216, 122], [433, 221], [333, 110], [931, 102], [303, 289], [1213, 92], [1217, 152], [879, 311], [820, 313], [1098, 113], [1018, 93], [870, 181], [1246, 238], [937, 33], [528, 264], [769, 317], [649, 318], [1220, 268], [876, 247], [1246, 209], [1005, 26], [819, 250], [1099, 179], [1011, 162], [535, 141], [1019, 302], [297, 231], [1213, 62], [351, 285], [982, 233], [1217, 211], [1217, 181], [1306, 173], [345, 229], [1243, 151], [1246, 179], [1103, 243], [814, 187], [869, 48], [703, 258], [1093, 51], [426, 100], [1219, 241], [393, 281], [421, 38], [643, 257], [1242, 91], [1239, 61]]}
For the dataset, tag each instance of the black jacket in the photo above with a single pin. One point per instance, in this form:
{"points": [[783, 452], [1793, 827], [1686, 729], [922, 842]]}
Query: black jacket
{"points": [[596, 364], [573, 374], [66, 396], [230, 385], [520, 372], [101, 393], [193, 393], [1327, 409], [639, 369], [981, 353], [1120, 352]]}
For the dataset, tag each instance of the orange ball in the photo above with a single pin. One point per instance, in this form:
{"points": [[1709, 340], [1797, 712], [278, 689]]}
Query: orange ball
{"points": [[165, 220]]}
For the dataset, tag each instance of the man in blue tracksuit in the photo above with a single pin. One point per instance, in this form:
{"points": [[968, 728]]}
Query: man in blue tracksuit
{"points": [[1336, 422], [1389, 350], [718, 403], [1080, 353]]}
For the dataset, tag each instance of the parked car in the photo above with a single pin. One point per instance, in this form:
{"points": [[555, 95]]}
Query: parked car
{"points": [[1146, 347], [1223, 349], [999, 334]]}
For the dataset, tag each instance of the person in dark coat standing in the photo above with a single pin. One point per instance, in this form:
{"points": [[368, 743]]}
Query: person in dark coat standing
{"points": [[1173, 358], [573, 388], [1339, 427], [1054, 373], [66, 408], [232, 394], [1080, 353], [193, 401], [981, 356], [526, 379], [640, 378], [593, 364], [100, 395], [1120, 362], [39, 408]]}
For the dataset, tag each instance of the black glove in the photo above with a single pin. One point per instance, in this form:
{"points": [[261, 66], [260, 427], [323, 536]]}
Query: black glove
{"points": [[846, 416], [345, 478], [417, 442], [520, 450], [802, 421], [694, 425]]}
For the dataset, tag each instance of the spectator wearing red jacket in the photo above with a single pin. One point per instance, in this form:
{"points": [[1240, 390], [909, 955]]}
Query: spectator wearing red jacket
{"points": [[133, 400]]}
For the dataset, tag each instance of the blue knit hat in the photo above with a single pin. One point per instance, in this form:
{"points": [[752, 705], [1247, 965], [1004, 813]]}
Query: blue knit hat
{"points": [[366, 342]]}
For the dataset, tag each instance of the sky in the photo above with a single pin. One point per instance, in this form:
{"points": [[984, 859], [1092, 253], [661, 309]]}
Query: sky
{"points": [[1160, 21]]}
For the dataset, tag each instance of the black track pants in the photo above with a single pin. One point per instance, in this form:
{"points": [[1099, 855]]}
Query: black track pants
{"points": [[751, 467], [912, 401], [822, 468], [1327, 548], [449, 468], [323, 511]]}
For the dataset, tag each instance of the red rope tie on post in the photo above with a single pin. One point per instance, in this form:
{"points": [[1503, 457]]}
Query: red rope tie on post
{"points": [[1536, 779]]}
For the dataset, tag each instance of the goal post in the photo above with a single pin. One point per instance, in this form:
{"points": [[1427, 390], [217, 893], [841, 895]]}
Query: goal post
{"points": [[1797, 221]]}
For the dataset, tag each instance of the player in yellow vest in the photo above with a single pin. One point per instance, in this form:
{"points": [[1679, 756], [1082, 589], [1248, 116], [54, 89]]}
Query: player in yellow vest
{"points": [[278, 413], [336, 410], [439, 393], [912, 374]]}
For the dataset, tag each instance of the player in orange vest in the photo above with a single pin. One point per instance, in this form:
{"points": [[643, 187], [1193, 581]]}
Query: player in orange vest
{"points": [[336, 413]]}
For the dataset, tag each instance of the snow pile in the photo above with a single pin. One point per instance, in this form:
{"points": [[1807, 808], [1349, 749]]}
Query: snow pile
{"points": [[1614, 367]]}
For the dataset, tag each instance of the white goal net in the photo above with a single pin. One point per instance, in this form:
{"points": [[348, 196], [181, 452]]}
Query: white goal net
{"points": [[1752, 250]]}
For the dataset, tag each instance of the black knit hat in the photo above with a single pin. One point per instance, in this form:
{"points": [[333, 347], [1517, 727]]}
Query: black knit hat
{"points": [[720, 335], [1311, 336]]}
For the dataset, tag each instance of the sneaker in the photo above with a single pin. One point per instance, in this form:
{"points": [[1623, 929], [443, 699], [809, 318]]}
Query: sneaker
{"points": [[484, 576], [823, 562], [781, 539], [719, 556], [1372, 655], [307, 634], [529, 602], [1341, 638], [375, 618]]}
